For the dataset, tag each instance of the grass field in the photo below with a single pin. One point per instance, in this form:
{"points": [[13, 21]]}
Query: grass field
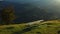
{"points": [[47, 27]]}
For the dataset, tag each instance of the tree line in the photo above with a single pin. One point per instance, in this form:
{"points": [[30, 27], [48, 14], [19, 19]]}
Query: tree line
{"points": [[7, 15]]}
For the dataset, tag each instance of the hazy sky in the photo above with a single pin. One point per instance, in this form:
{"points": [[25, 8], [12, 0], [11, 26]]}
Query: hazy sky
{"points": [[50, 4], [1, 0]]}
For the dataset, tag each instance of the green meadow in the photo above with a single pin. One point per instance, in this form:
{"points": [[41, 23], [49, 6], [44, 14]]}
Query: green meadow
{"points": [[46, 27]]}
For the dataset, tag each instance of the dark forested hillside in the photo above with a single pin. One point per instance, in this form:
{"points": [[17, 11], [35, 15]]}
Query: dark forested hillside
{"points": [[28, 12]]}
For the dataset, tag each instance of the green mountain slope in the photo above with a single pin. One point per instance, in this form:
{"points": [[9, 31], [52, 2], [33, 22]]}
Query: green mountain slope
{"points": [[47, 27]]}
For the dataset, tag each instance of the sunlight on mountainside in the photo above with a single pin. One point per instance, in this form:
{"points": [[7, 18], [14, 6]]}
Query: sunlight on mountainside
{"points": [[29, 16]]}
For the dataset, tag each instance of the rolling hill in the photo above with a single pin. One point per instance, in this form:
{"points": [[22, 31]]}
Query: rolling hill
{"points": [[44, 27]]}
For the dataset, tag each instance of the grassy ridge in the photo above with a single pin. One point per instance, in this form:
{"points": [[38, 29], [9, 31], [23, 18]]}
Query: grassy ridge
{"points": [[47, 27]]}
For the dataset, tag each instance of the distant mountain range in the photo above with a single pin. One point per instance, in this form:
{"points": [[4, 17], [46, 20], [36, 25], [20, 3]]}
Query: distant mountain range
{"points": [[28, 12]]}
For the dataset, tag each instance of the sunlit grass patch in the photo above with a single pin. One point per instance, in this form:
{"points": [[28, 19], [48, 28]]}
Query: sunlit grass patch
{"points": [[40, 28]]}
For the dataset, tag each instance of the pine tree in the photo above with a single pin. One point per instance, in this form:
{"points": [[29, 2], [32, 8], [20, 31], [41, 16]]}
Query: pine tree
{"points": [[8, 15]]}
